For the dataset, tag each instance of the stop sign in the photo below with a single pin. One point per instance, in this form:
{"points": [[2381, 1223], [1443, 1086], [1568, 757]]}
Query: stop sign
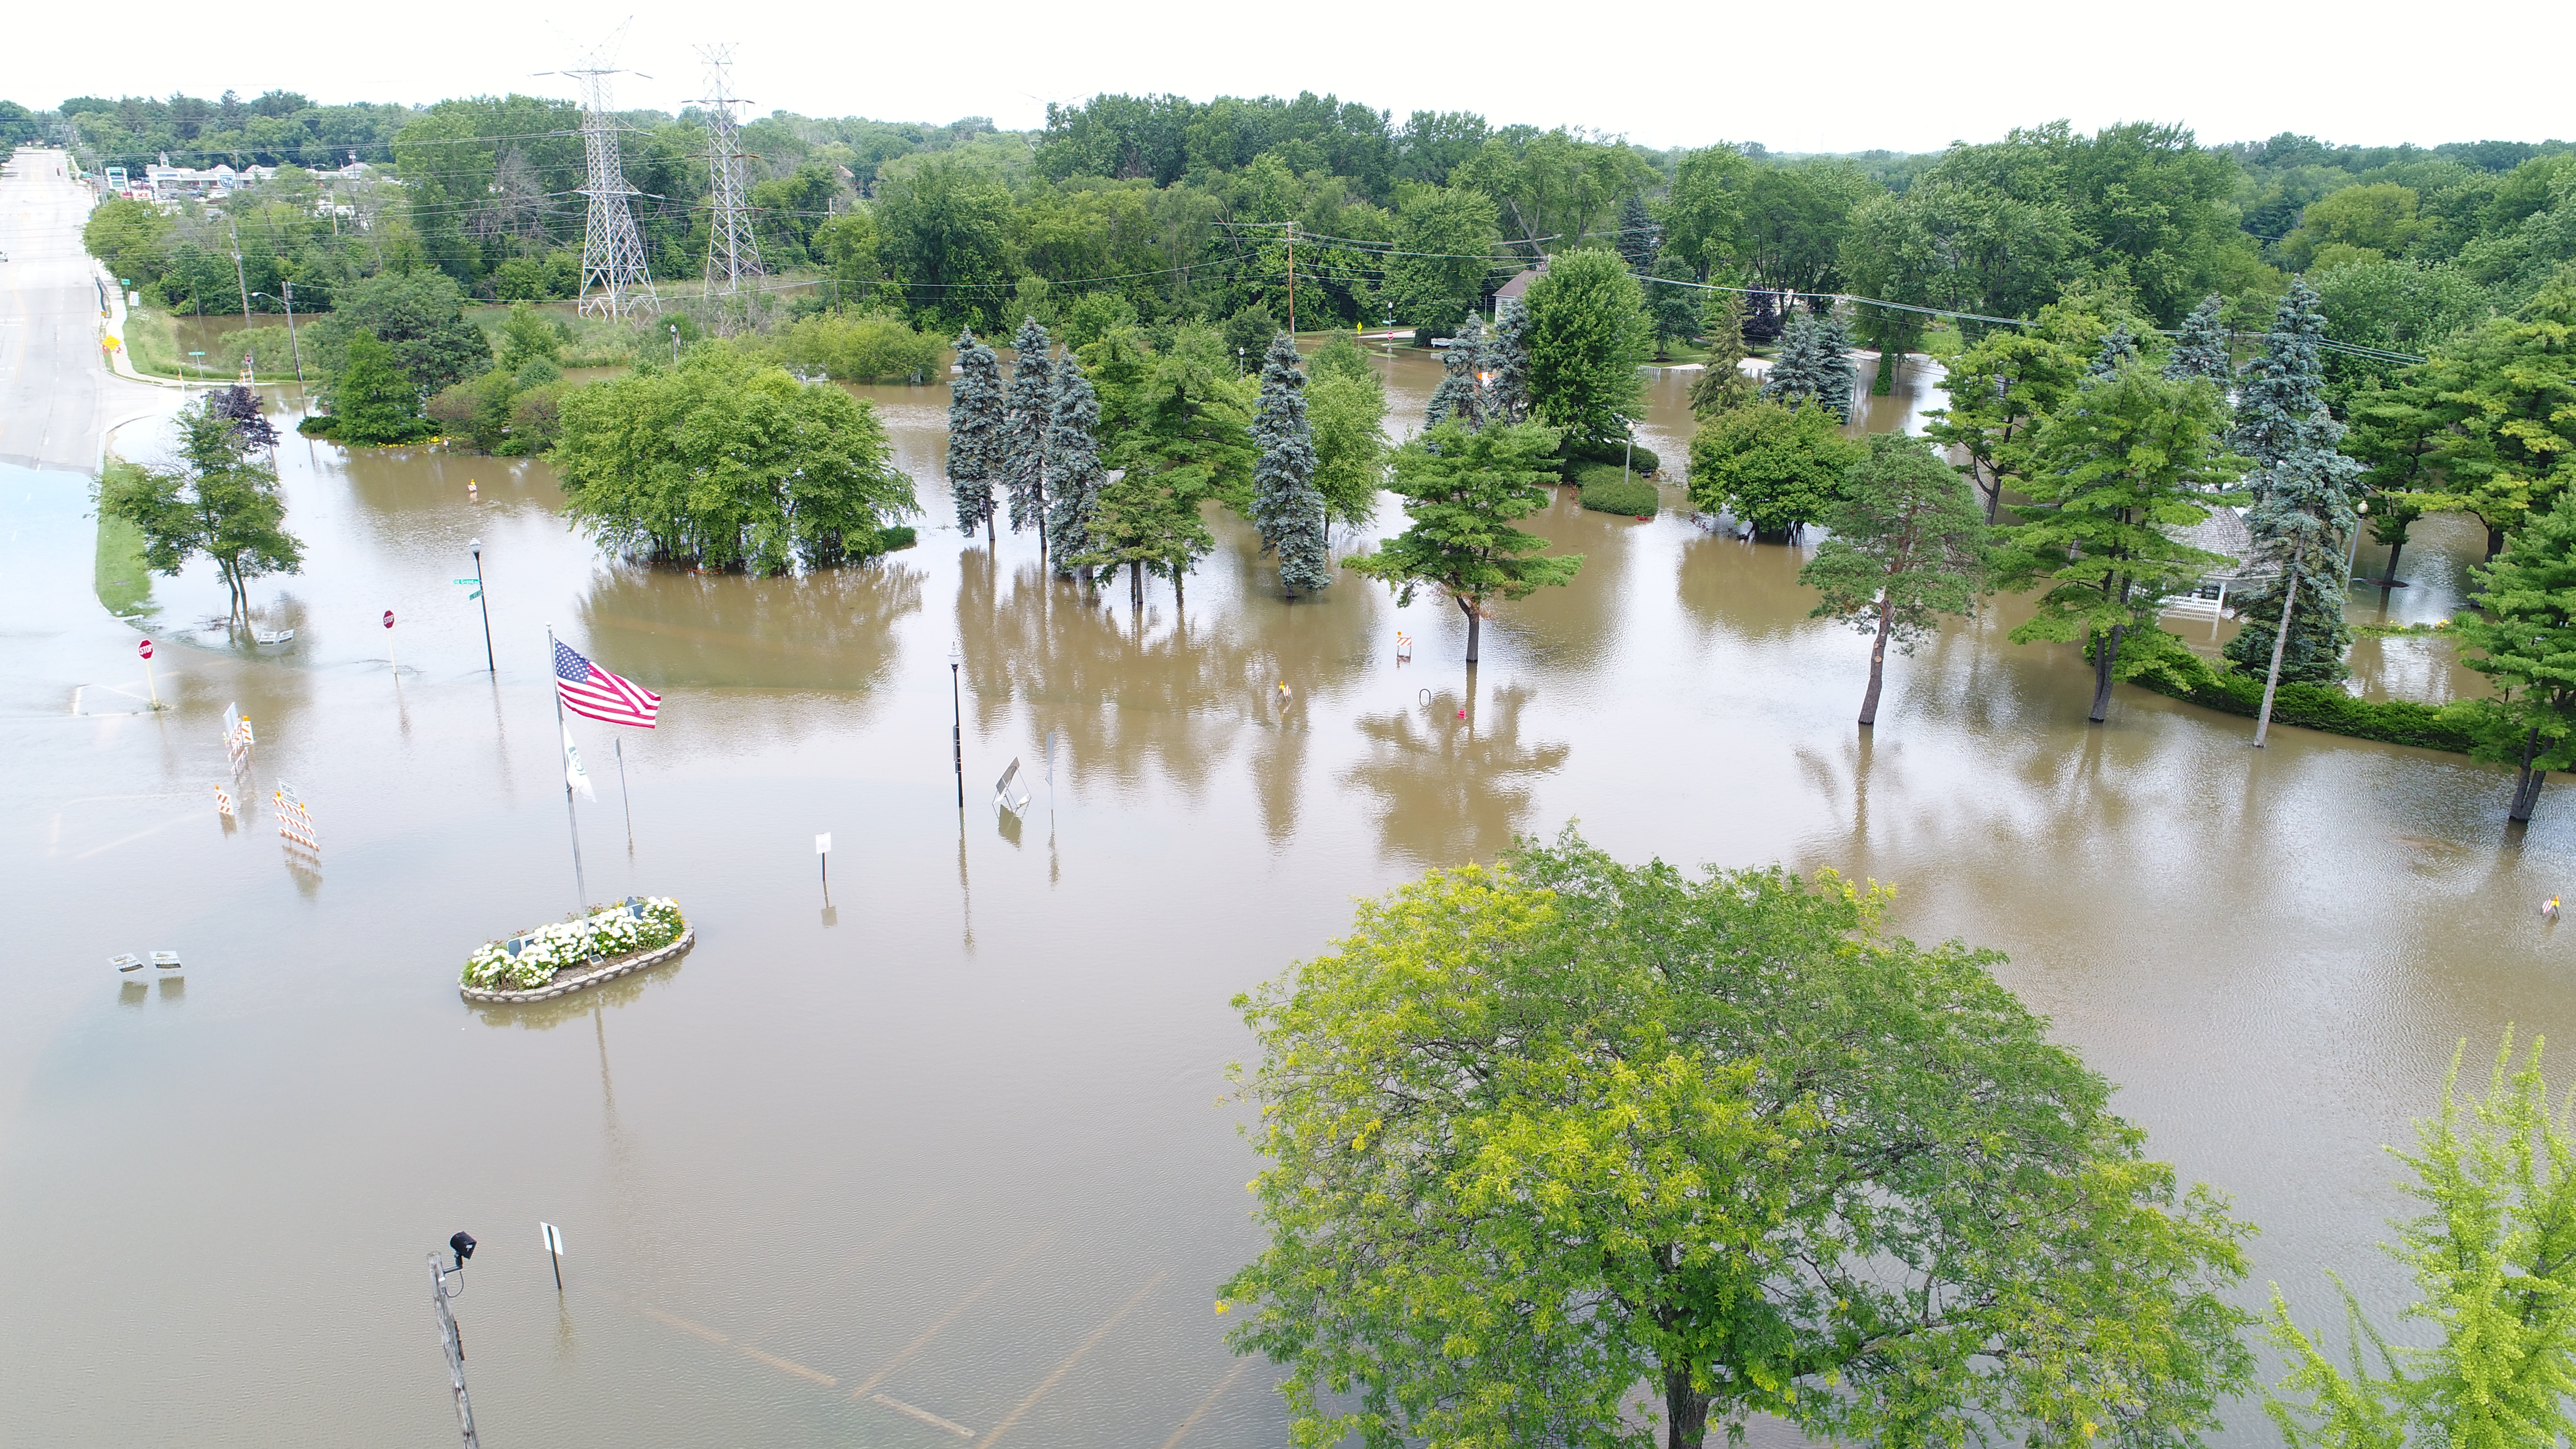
{"points": [[145, 648], [389, 618]]}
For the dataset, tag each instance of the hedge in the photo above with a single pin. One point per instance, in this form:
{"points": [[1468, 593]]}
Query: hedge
{"points": [[2321, 707], [1574, 452], [1605, 492]]}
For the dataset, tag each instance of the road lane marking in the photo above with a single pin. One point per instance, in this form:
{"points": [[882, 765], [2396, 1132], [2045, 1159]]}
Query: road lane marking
{"points": [[924, 1415], [1207, 1403], [851, 1266], [1066, 1367], [791, 1366], [676, 1321], [927, 1334]]}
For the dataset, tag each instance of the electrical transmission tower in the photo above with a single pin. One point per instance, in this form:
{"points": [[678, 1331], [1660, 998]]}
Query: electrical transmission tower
{"points": [[614, 282], [732, 252]]}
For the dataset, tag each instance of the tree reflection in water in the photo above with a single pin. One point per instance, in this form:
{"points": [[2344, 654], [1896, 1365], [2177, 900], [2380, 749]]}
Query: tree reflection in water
{"points": [[1451, 790]]}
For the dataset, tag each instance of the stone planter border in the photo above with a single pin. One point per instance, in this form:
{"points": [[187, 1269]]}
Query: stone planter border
{"points": [[565, 984]]}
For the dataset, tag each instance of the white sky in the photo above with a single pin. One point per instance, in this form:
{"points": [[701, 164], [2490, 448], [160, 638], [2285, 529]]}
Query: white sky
{"points": [[1868, 74]]}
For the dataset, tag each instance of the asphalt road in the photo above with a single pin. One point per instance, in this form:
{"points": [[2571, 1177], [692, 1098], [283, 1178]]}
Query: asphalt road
{"points": [[56, 395]]}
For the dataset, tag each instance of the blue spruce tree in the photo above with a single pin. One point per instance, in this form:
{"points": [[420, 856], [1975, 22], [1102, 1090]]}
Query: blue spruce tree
{"points": [[2119, 346], [1024, 430], [2200, 348], [974, 433], [1813, 365], [1506, 364], [2304, 492], [1074, 474], [1287, 507], [1459, 395]]}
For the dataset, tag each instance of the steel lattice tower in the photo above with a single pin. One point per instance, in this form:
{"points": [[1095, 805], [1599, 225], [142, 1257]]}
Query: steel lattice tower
{"points": [[732, 252], [614, 282]]}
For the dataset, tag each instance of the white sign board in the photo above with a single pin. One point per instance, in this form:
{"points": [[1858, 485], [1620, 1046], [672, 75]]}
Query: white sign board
{"points": [[554, 1239], [823, 843]]}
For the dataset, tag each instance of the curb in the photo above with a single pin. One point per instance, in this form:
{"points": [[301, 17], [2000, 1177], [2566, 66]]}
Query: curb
{"points": [[547, 992]]}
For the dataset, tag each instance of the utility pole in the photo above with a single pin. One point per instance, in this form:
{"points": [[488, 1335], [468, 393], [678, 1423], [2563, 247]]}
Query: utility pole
{"points": [[239, 279], [1292, 281], [454, 1343], [290, 334]]}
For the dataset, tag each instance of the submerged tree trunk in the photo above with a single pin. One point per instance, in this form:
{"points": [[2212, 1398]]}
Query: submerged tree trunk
{"points": [[2106, 652], [1475, 623], [2495, 542], [2526, 785], [1994, 498], [1136, 584], [1878, 659], [1685, 1411], [2388, 579]]}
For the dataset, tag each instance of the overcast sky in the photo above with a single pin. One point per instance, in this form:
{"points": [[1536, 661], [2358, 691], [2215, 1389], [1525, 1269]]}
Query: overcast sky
{"points": [[1903, 77]]}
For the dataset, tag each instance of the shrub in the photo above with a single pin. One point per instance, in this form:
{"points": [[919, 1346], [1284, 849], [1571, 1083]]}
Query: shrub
{"points": [[1605, 492], [1577, 452], [899, 536], [857, 347], [2324, 707], [531, 958]]}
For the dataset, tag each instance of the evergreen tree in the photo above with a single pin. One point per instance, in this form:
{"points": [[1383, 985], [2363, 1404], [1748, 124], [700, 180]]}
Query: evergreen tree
{"points": [[1637, 234], [1722, 385], [1908, 546], [1673, 306], [2525, 637], [2304, 490], [2123, 461], [2502, 398], [1462, 490], [1287, 511], [1024, 429], [2200, 349], [1461, 394], [1074, 474], [1506, 363], [1812, 367], [974, 433], [2119, 348]]}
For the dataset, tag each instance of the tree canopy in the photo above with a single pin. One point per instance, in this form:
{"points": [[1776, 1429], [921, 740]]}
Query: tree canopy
{"points": [[1463, 489], [1541, 1133]]}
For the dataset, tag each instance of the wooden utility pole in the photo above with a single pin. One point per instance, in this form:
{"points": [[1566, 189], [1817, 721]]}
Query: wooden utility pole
{"points": [[455, 1345], [1292, 282], [239, 279]]}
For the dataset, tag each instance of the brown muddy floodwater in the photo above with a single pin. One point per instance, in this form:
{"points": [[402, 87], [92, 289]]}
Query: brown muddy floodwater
{"points": [[950, 1152]]}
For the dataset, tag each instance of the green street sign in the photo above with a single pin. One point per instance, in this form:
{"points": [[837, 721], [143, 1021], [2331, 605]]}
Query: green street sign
{"points": [[465, 581]]}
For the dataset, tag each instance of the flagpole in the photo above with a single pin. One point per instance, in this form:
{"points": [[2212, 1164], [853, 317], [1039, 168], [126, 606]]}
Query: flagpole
{"points": [[562, 731], [628, 800]]}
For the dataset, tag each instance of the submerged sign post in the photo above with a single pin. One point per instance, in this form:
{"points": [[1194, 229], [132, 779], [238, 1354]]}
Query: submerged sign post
{"points": [[823, 854], [145, 649], [554, 1251]]}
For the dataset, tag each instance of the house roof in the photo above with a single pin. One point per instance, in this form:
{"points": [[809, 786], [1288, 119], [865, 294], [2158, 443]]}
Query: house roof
{"points": [[1520, 282]]}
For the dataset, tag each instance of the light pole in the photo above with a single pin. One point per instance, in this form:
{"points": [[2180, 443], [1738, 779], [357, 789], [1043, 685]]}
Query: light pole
{"points": [[957, 715], [449, 1338], [2352, 557], [489, 667], [675, 344]]}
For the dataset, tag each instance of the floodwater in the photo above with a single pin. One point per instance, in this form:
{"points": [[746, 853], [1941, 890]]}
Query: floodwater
{"points": [[944, 1157]]}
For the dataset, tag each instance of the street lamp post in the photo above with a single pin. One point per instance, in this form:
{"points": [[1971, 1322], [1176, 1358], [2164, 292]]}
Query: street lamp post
{"points": [[488, 666], [2352, 557], [675, 344], [957, 715]]}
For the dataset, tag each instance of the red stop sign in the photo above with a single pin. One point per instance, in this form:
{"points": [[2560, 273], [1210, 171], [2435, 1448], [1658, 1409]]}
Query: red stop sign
{"points": [[389, 618], [144, 648]]}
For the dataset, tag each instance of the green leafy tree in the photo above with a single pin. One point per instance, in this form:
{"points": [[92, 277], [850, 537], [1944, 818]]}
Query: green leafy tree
{"points": [[1287, 508], [130, 238], [1029, 413], [419, 315], [1543, 1134], [2494, 1283], [943, 228], [2524, 640], [2125, 460], [1704, 209], [1463, 489], [1449, 234], [1908, 547], [1722, 384], [526, 335], [1183, 437], [1588, 334], [1073, 465], [1346, 408], [1774, 468], [1814, 365], [2304, 492], [1671, 305], [975, 435], [372, 400], [220, 501], [2397, 433], [729, 463]]}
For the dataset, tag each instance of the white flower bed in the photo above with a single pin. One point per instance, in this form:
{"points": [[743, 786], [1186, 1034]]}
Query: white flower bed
{"points": [[530, 959]]}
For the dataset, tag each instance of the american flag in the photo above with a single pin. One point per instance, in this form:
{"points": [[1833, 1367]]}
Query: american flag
{"points": [[588, 690]]}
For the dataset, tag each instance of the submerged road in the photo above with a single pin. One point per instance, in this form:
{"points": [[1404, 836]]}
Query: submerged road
{"points": [[56, 397]]}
